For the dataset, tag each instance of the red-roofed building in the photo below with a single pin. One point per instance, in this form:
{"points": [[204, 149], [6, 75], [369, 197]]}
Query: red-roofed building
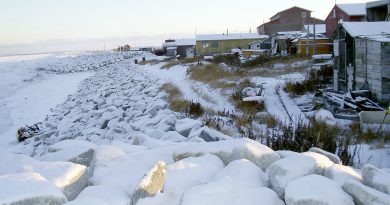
{"points": [[347, 12], [291, 19]]}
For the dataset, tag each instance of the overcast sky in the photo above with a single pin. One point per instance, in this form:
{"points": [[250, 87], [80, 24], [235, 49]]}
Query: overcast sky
{"points": [[48, 21]]}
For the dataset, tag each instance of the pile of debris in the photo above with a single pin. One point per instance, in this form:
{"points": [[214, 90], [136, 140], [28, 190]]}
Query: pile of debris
{"points": [[348, 105]]}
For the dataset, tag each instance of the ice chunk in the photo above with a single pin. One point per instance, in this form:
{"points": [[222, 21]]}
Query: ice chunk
{"points": [[286, 153], [173, 136], [364, 195], [29, 189], [316, 189], [376, 178], [208, 135], [152, 183]]}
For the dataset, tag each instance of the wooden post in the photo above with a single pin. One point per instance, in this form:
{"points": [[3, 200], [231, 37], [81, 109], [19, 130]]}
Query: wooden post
{"points": [[136, 61]]}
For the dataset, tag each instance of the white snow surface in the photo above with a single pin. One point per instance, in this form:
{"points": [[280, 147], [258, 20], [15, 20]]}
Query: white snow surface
{"points": [[117, 109]]}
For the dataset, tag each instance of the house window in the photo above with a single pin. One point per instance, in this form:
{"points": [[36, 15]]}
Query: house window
{"points": [[334, 13], [303, 14], [205, 45], [214, 44]]}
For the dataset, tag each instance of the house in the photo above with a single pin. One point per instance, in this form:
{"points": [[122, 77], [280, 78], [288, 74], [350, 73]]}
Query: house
{"points": [[291, 19], [355, 12], [362, 58], [211, 44], [378, 10], [178, 46]]}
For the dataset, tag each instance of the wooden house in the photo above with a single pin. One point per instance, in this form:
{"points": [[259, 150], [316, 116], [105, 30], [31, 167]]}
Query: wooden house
{"points": [[378, 10], [355, 12], [362, 58], [291, 19], [212, 44]]}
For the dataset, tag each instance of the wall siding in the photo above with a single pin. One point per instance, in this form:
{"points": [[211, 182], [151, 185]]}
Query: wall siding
{"points": [[224, 46]]}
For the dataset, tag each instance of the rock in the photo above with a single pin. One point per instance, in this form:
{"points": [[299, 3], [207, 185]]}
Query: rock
{"points": [[316, 189], [29, 189], [364, 195], [76, 151], [281, 172], [185, 126], [376, 178], [101, 195], [334, 158], [152, 183], [341, 174], [192, 171]]}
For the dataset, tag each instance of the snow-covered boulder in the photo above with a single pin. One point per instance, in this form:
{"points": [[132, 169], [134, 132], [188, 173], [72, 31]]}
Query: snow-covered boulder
{"points": [[76, 151], [113, 167], [286, 153], [127, 147], [152, 183], [192, 171], [364, 195], [376, 178], [322, 162], [101, 195], [326, 117], [185, 126], [69, 177], [173, 136], [386, 170], [208, 135], [334, 158], [341, 174], [224, 192], [287, 169], [29, 189], [316, 189], [139, 138]]}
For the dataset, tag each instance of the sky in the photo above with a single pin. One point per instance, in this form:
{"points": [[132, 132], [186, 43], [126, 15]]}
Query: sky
{"points": [[99, 24]]}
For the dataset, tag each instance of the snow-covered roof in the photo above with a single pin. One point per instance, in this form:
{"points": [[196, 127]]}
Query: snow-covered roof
{"points": [[230, 36], [367, 28], [379, 37], [377, 3], [180, 42], [356, 9], [286, 33], [320, 28]]}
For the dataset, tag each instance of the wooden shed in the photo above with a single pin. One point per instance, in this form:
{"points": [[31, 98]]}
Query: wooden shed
{"points": [[362, 58]]}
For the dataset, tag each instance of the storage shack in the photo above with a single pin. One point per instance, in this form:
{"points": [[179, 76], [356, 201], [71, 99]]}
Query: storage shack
{"points": [[362, 58]]}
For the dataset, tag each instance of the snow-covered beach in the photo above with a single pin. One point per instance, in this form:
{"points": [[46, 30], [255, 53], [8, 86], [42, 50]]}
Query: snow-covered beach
{"points": [[108, 137]]}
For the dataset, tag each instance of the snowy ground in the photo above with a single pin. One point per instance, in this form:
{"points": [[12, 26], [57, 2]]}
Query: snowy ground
{"points": [[112, 129]]}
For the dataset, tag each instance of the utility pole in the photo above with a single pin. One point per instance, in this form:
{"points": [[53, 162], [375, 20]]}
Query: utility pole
{"points": [[314, 37]]}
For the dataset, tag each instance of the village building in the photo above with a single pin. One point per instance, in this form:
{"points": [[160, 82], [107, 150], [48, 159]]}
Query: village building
{"points": [[362, 58], [378, 10], [211, 44], [291, 19], [265, 44], [182, 47], [313, 41], [355, 12]]}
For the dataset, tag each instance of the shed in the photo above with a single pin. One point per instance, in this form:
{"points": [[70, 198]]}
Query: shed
{"points": [[362, 58]]}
